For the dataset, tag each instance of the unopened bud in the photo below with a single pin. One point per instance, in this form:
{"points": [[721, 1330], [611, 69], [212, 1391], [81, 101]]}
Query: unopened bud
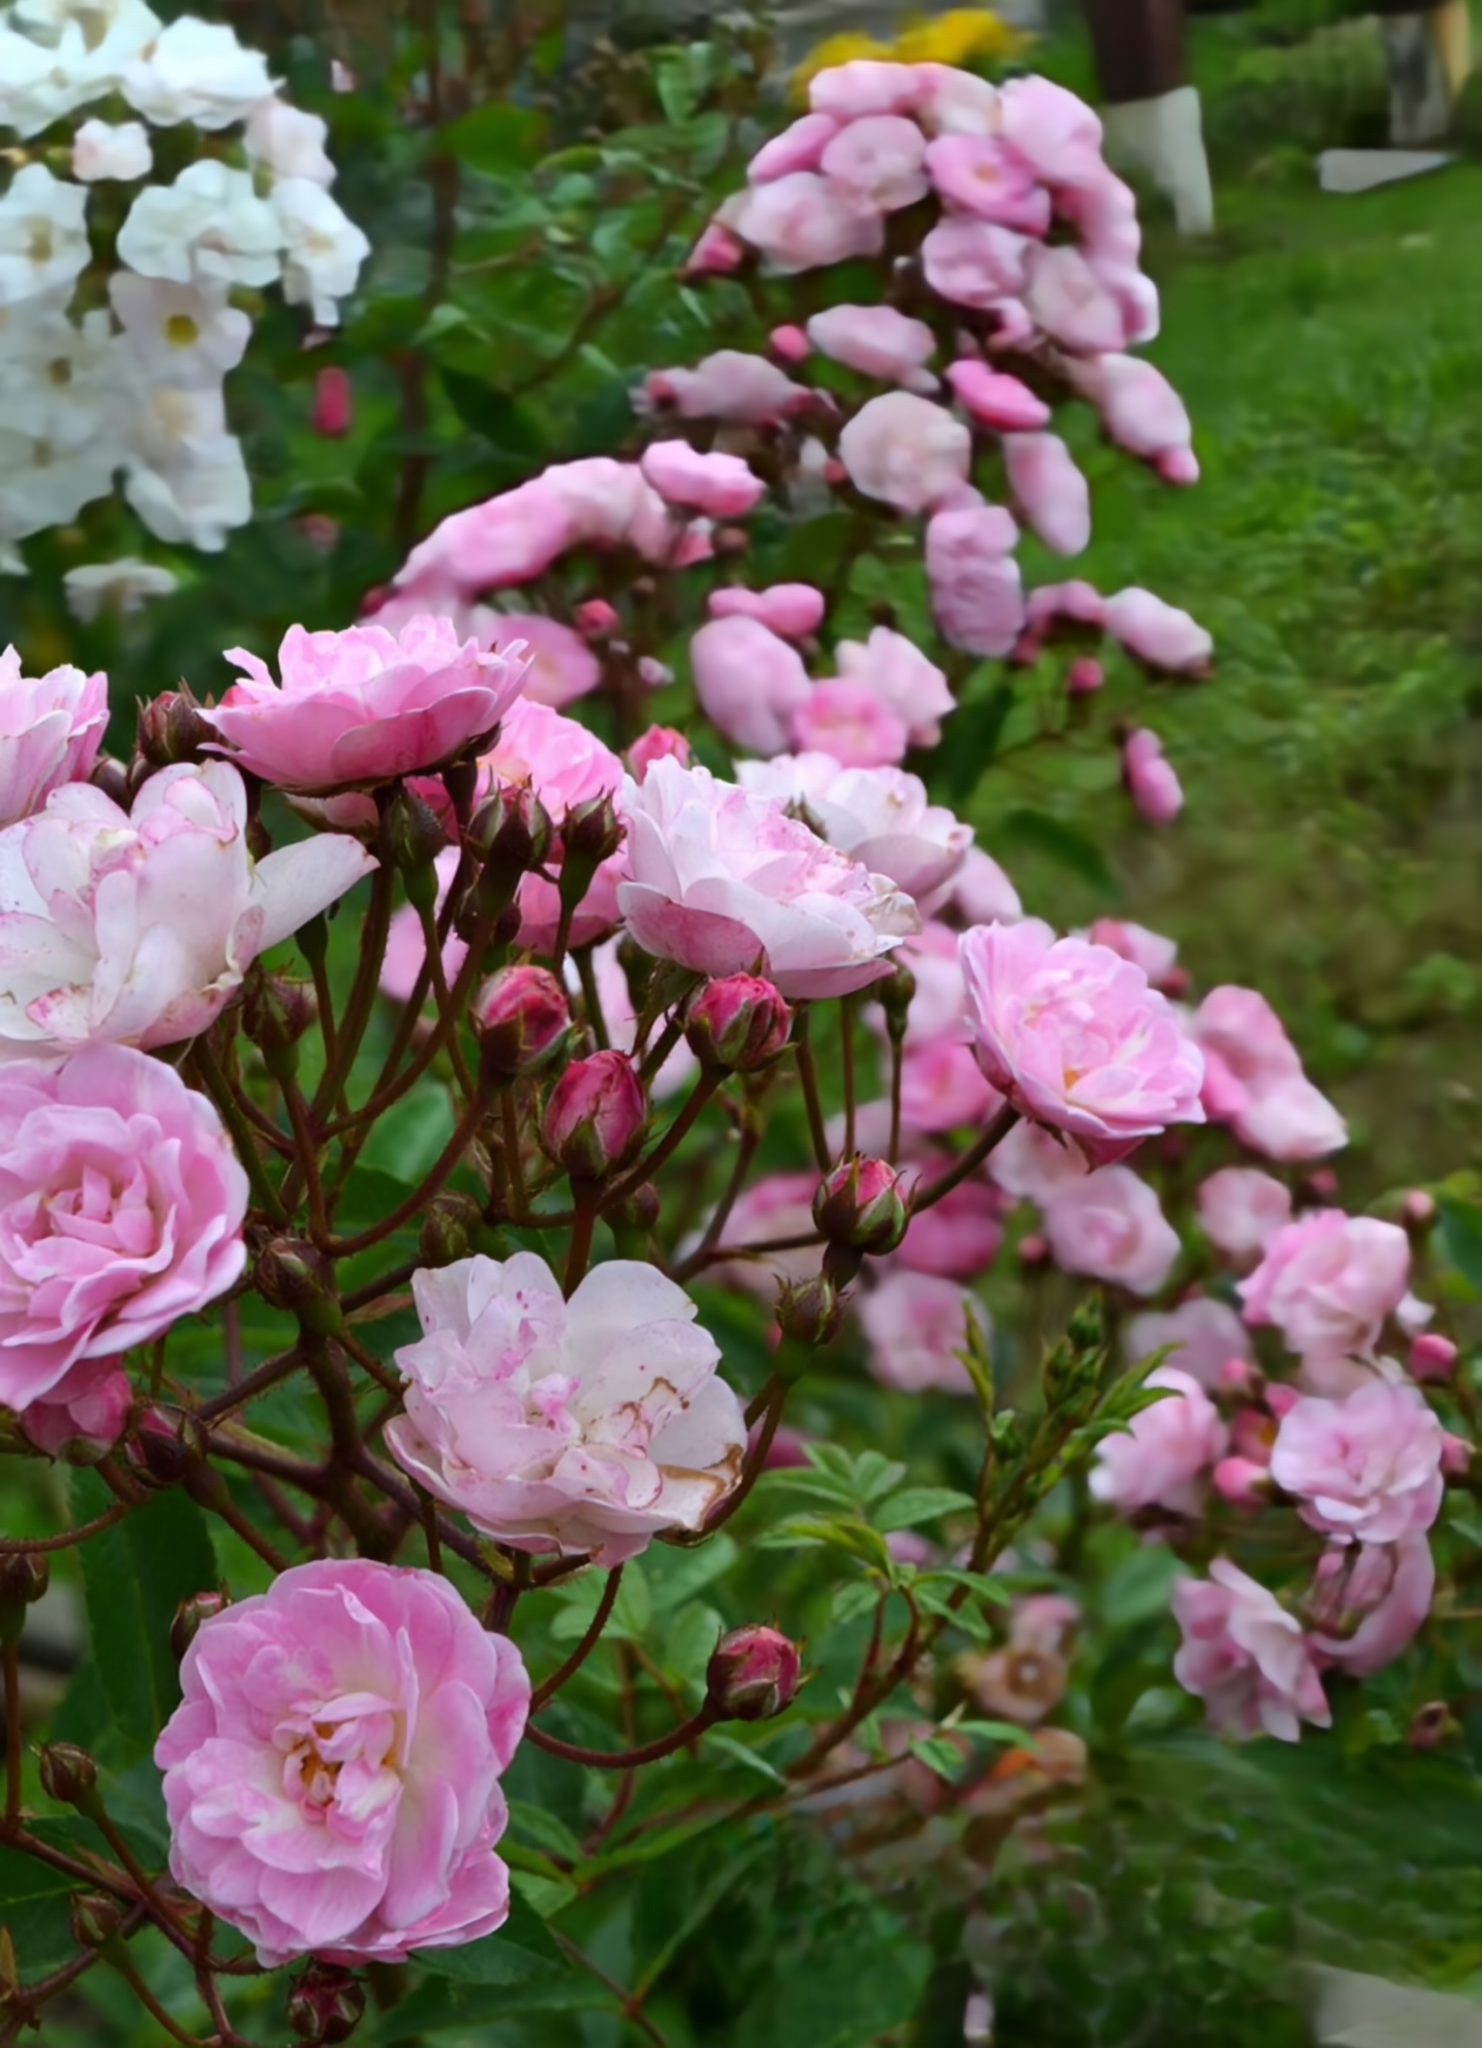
{"points": [[738, 1024], [753, 1675], [1418, 1211], [1456, 1455], [1433, 1357], [1085, 676], [659, 743], [334, 403], [112, 777], [295, 1276], [862, 1207], [590, 834], [276, 1012], [1034, 1251], [68, 1774], [1243, 1483], [414, 837], [172, 728], [641, 1211], [510, 833], [189, 1617], [163, 1447], [809, 1311], [325, 2005], [24, 1577], [449, 1229], [1433, 1726], [595, 1115], [95, 1919], [895, 996], [521, 1018]]}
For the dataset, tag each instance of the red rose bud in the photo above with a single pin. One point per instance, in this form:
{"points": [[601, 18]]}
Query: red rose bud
{"points": [[521, 1018], [659, 743], [595, 1115], [1433, 1357], [171, 729], [753, 1675], [325, 2005], [68, 1774], [861, 1208], [738, 1024], [334, 403], [190, 1615]]}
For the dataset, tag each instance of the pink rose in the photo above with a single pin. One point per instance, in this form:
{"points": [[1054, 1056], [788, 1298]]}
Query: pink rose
{"points": [[364, 705], [942, 1088], [725, 882], [803, 221], [846, 722], [792, 610], [1155, 955], [977, 595], [906, 451], [1369, 1602], [974, 262], [1241, 1210], [880, 817], [916, 1327], [1164, 1457], [877, 341], [1328, 1281], [566, 765], [331, 1775], [1292, 1121], [720, 486], [51, 728], [995, 399], [1157, 634], [1033, 1165], [1201, 1336], [1246, 1657], [982, 893], [83, 1416], [1050, 130], [799, 147], [560, 666], [658, 743], [1151, 781], [1253, 1079], [121, 1210], [975, 174], [1070, 301], [138, 927], [1050, 490], [879, 160], [730, 386], [1074, 1037], [1141, 412], [1110, 1227], [901, 676], [850, 92], [580, 1425], [751, 684], [1366, 1468]]}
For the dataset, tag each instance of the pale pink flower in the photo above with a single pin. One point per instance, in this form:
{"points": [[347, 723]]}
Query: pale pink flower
{"points": [[51, 728], [877, 341], [565, 764], [331, 1775], [560, 666], [1049, 129], [779, 1207], [1033, 1165], [1246, 1657], [943, 1089], [498, 545], [580, 1425], [1201, 1337], [121, 1211], [1253, 1078], [977, 175], [906, 451], [1070, 301], [846, 721], [793, 610], [750, 682], [1155, 955], [1071, 610], [1074, 1037], [957, 1238], [1151, 781], [916, 1327], [804, 221], [139, 927], [1366, 1468], [716, 253], [731, 386], [974, 262], [1328, 1281], [902, 677], [83, 1415], [995, 399], [1103, 207], [880, 816], [982, 893], [1241, 1209], [977, 595], [1292, 1121], [950, 101], [725, 882], [1167, 1452], [364, 705], [880, 160], [864, 86], [1369, 1602], [1140, 411], [1158, 634], [799, 147], [1110, 1227], [720, 486], [1050, 490]]}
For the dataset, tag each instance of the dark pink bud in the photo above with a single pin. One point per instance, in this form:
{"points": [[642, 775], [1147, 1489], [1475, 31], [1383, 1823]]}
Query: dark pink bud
{"points": [[1321, 1185], [334, 404], [1418, 1210], [1456, 1456], [1239, 1376], [790, 344], [659, 743], [68, 1774], [1242, 1483], [1433, 1357], [718, 253], [1085, 676], [861, 1206], [596, 618], [1034, 1251], [171, 729], [738, 1024], [521, 1017], [753, 1675], [1281, 1399], [325, 2005], [595, 1115]]}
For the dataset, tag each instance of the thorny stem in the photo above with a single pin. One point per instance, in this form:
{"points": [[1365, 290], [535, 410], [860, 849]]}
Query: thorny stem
{"points": [[549, 1687], [221, 1092], [715, 1229], [435, 1182], [627, 1759], [968, 1162], [847, 1009], [808, 1075], [12, 1666], [667, 1146]]}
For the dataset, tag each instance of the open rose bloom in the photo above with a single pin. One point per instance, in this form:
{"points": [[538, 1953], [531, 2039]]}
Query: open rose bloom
{"points": [[51, 728]]}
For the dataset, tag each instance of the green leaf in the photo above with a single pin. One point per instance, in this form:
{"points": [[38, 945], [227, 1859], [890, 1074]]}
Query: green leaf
{"points": [[1060, 843], [512, 430], [975, 732], [855, 1537], [521, 1952], [35, 1899], [1461, 1236], [135, 1576], [675, 1576], [632, 1611], [498, 138], [916, 1504]]}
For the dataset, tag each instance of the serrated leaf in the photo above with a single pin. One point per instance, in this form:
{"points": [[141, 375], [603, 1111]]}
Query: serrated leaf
{"points": [[914, 1505]]}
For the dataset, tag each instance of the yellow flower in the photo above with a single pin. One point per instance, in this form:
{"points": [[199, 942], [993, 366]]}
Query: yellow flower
{"points": [[837, 50], [964, 35]]}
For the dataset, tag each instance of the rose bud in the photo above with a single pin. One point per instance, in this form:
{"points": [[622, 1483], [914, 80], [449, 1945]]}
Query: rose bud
{"points": [[24, 1577], [334, 403], [1433, 1725], [1418, 1211], [325, 2005], [95, 1919], [595, 1115], [753, 1675], [295, 1276], [414, 837], [276, 1012], [509, 835], [170, 729], [1433, 1357], [112, 777], [521, 1018], [895, 994], [161, 1449], [449, 1229], [738, 1024], [861, 1208], [68, 1774], [190, 1614], [659, 743], [809, 1311]]}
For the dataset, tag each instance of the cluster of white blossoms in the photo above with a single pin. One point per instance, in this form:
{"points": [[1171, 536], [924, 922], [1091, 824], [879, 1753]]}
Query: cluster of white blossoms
{"points": [[117, 326]]}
